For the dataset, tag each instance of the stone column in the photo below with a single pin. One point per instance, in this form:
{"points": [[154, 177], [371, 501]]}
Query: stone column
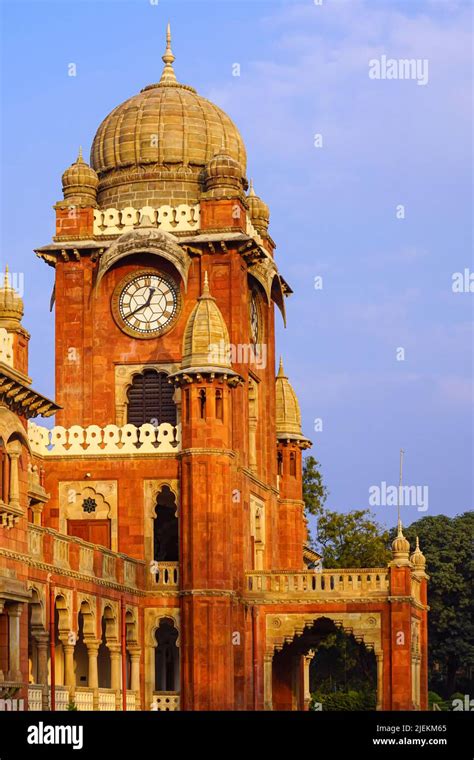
{"points": [[306, 687], [69, 675], [42, 646], [379, 658], [267, 675], [14, 611], [115, 657], [135, 669], [14, 455], [37, 510], [93, 671]]}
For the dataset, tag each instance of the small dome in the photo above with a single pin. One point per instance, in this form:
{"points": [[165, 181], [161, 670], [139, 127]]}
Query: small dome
{"points": [[206, 338], [400, 545], [288, 415], [223, 175], [259, 211], [80, 182], [11, 304], [418, 559]]}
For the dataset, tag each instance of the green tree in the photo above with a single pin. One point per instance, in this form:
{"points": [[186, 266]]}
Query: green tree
{"points": [[315, 492], [353, 539], [447, 543]]}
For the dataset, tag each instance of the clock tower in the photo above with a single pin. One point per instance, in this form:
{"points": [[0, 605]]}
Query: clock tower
{"points": [[162, 514]]}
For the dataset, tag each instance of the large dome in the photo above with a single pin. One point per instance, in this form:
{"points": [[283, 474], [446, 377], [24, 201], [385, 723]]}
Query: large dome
{"points": [[153, 148]]}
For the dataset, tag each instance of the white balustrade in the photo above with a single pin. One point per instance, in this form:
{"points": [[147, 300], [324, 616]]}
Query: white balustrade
{"points": [[112, 221], [111, 439], [107, 700], [357, 582], [61, 698], [165, 701], [35, 698], [84, 699]]}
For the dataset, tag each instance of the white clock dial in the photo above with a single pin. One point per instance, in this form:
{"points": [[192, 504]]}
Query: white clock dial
{"points": [[148, 303]]}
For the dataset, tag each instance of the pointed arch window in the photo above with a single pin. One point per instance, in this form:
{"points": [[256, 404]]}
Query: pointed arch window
{"points": [[150, 399]]}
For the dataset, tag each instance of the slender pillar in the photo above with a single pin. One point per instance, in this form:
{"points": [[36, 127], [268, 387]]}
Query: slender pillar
{"points": [[14, 611], [14, 481], [135, 669], [306, 686], [114, 650], [42, 646], [379, 658], [93, 672], [69, 675], [268, 674], [6, 479]]}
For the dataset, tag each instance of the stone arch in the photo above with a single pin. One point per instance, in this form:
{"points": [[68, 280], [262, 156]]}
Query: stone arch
{"points": [[124, 375], [131, 626], [152, 618], [10, 426], [285, 628], [38, 638], [87, 610], [111, 621], [165, 526], [151, 491], [166, 660], [163, 408], [145, 239]]}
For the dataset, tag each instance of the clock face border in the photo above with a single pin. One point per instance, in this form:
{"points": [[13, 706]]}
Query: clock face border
{"points": [[115, 303]]}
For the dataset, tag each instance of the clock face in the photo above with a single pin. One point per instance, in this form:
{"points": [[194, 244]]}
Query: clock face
{"points": [[145, 304], [254, 320]]}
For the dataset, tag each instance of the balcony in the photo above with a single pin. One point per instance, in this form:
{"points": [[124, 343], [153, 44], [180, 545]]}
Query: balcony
{"points": [[328, 584], [72, 553], [94, 441], [165, 575]]}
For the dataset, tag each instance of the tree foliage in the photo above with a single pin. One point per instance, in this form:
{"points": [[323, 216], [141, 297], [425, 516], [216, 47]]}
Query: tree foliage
{"points": [[353, 539], [315, 492]]}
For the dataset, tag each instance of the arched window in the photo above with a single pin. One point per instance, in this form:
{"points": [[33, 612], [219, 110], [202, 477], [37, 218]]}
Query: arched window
{"points": [[165, 528], [166, 657], [150, 399]]}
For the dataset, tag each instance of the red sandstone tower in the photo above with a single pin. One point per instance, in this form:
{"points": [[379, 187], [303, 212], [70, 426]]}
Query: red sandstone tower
{"points": [[162, 517]]}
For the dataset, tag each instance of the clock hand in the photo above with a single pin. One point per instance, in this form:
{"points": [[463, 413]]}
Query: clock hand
{"points": [[152, 290]]}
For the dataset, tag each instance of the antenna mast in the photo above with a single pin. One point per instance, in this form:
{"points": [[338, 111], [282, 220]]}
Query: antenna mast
{"points": [[400, 485]]}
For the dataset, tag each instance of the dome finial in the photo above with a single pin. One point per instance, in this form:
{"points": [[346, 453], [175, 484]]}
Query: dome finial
{"points": [[251, 189], [168, 76], [80, 160], [205, 289], [281, 371]]}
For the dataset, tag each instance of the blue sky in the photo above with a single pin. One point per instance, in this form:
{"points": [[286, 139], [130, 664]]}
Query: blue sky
{"points": [[386, 281]]}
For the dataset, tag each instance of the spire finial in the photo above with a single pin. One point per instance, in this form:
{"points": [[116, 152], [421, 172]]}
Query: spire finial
{"points": [[205, 289], [168, 75], [6, 277], [281, 371], [79, 156], [251, 190]]}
